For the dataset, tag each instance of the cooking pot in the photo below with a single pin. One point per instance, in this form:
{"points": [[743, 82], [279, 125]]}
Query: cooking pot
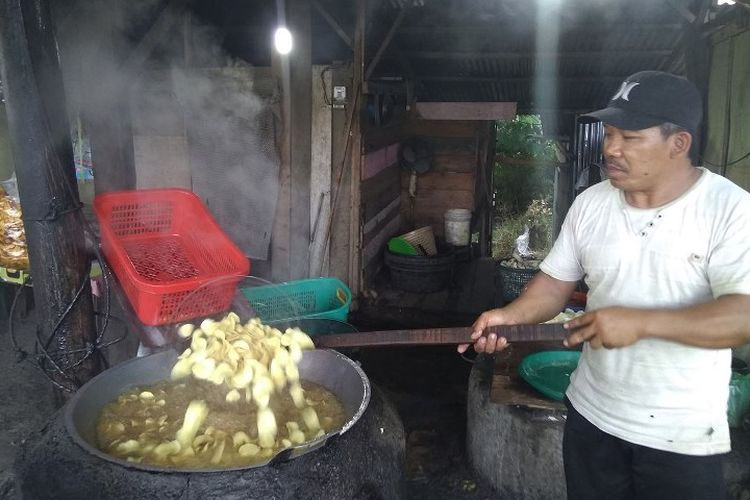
{"points": [[334, 371]]}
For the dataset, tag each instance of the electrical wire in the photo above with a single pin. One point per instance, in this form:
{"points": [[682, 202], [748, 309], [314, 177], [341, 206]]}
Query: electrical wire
{"points": [[327, 99], [45, 361]]}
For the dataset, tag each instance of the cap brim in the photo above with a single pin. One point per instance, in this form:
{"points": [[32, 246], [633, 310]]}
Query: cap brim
{"points": [[618, 117]]}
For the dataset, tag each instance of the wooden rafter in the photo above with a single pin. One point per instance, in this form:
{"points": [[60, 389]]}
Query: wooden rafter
{"points": [[522, 79], [683, 11], [168, 17], [335, 26], [403, 61], [496, 32], [426, 54], [386, 42]]}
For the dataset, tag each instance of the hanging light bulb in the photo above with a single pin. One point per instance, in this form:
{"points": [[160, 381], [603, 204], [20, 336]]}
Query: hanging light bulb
{"points": [[282, 40]]}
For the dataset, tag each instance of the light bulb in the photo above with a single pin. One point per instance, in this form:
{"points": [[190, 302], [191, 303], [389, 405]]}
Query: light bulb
{"points": [[282, 39]]}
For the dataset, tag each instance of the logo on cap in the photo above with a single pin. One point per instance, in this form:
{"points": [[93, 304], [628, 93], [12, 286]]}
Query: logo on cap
{"points": [[624, 91]]}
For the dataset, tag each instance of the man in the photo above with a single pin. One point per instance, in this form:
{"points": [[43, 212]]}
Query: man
{"points": [[664, 248]]}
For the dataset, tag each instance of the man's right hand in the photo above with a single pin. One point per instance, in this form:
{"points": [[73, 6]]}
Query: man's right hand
{"points": [[544, 297], [490, 343]]}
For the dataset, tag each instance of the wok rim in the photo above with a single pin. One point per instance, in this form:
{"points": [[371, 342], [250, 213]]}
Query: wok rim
{"points": [[282, 455]]}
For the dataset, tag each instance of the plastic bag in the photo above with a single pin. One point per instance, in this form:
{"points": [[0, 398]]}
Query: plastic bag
{"points": [[522, 243], [739, 399]]}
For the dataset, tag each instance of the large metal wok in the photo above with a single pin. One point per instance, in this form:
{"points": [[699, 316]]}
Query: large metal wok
{"points": [[332, 370]]}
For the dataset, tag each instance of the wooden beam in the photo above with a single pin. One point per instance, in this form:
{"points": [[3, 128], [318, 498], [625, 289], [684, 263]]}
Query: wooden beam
{"points": [[562, 199], [683, 11], [500, 32], [484, 188], [53, 221], [332, 22], [403, 61], [355, 168], [427, 54], [704, 9], [384, 87], [521, 162], [169, 16], [520, 79], [280, 239], [528, 109], [338, 227], [300, 72], [386, 41], [466, 110], [320, 171], [723, 17]]}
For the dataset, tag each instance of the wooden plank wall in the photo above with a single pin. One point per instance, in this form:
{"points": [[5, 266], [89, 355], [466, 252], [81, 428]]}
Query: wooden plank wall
{"points": [[381, 201], [451, 179]]}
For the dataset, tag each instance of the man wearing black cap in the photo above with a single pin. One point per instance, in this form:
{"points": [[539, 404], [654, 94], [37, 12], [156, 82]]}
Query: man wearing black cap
{"points": [[664, 248]]}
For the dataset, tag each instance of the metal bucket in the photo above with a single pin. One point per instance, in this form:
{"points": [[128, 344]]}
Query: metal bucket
{"points": [[337, 373]]}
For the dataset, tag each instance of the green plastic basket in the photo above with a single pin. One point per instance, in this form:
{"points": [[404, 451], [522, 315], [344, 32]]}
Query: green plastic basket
{"points": [[327, 298]]}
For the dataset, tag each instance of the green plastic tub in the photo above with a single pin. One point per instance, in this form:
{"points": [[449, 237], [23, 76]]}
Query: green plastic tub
{"points": [[325, 298], [549, 371]]}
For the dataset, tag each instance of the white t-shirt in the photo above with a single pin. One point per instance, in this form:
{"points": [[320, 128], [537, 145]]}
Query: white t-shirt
{"points": [[656, 393]]}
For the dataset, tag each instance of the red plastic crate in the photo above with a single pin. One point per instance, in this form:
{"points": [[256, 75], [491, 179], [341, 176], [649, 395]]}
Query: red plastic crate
{"points": [[169, 254]]}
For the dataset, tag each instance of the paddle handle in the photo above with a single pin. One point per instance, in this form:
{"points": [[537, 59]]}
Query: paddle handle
{"points": [[439, 336]]}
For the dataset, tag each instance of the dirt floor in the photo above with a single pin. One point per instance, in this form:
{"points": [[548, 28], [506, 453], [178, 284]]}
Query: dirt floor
{"points": [[27, 402], [428, 386]]}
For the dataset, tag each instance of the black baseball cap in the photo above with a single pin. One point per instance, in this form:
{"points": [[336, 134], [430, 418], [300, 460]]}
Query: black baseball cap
{"points": [[649, 98]]}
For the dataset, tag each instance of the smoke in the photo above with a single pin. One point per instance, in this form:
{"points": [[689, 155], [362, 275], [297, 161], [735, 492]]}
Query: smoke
{"points": [[200, 118], [230, 133]]}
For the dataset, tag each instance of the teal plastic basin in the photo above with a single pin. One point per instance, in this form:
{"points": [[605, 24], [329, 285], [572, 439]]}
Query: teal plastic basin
{"points": [[549, 371]]}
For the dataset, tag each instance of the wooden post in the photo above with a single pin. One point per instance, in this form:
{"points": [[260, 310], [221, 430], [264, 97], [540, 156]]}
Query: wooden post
{"points": [[300, 88], [43, 155], [290, 243], [355, 227], [562, 199], [338, 227], [280, 244], [485, 187]]}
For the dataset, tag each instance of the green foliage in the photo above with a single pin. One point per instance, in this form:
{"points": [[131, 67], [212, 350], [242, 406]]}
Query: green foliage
{"points": [[538, 217], [517, 185], [504, 234], [523, 193], [522, 138]]}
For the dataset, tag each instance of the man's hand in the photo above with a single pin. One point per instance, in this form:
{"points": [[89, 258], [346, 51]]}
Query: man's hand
{"points": [[609, 327], [491, 343]]}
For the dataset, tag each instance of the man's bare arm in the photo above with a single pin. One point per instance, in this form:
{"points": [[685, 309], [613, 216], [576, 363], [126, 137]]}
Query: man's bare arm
{"points": [[542, 300], [720, 323]]}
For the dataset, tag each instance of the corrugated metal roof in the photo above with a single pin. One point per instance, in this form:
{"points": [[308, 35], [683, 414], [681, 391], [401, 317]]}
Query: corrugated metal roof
{"points": [[577, 50], [488, 50]]}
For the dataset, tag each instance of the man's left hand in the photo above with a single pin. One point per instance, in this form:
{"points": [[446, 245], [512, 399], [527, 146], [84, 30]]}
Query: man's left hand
{"points": [[609, 327]]}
